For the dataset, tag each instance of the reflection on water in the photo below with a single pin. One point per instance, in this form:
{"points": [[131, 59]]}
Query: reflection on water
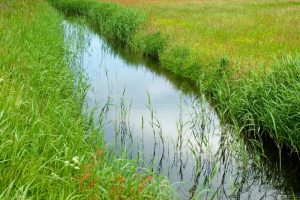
{"points": [[175, 131]]}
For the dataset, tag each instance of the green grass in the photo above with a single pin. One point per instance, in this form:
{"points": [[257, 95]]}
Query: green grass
{"points": [[241, 54], [116, 23], [249, 32], [47, 149], [267, 104]]}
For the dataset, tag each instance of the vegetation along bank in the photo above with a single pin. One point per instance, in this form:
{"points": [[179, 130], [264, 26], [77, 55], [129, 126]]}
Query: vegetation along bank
{"points": [[238, 53], [48, 151]]}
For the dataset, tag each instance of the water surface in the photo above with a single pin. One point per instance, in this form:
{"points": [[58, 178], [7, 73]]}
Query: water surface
{"points": [[164, 120]]}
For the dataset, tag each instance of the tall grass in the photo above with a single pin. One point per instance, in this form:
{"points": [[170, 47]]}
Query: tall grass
{"points": [[116, 22], [268, 103], [47, 149], [262, 101]]}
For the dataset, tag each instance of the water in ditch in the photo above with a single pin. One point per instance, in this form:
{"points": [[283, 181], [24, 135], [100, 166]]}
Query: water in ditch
{"points": [[163, 120]]}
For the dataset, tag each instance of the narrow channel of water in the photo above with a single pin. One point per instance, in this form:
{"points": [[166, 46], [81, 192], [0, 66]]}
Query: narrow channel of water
{"points": [[175, 131]]}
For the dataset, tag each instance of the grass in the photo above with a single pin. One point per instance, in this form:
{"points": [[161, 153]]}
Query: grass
{"points": [[48, 151], [250, 33], [116, 23], [242, 54]]}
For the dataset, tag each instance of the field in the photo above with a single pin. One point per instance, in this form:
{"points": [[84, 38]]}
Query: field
{"points": [[249, 33], [48, 150]]}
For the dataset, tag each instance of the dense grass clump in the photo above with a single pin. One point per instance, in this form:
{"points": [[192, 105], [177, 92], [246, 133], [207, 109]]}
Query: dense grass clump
{"points": [[262, 100], [75, 7], [149, 44], [114, 21], [177, 58], [47, 149], [269, 103]]}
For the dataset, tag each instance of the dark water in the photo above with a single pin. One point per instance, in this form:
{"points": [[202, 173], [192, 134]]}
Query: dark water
{"points": [[176, 132]]}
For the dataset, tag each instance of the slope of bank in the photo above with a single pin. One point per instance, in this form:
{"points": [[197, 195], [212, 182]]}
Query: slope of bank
{"points": [[264, 101], [47, 149]]}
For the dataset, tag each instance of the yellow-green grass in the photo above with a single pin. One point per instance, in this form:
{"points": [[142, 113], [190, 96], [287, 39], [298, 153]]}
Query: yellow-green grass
{"points": [[47, 149], [248, 33]]}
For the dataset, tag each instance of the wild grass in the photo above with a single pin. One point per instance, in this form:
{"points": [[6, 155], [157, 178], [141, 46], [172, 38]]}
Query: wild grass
{"points": [[268, 103], [250, 33], [114, 21], [48, 151]]}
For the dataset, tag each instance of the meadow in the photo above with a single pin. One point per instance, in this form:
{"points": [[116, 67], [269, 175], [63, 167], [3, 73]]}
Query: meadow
{"points": [[48, 150], [250, 33]]}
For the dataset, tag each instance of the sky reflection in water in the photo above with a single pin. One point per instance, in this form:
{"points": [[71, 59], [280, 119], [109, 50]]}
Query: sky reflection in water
{"points": [[178, 132]]}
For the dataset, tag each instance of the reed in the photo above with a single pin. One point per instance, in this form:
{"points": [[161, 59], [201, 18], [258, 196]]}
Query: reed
{"points": [[48, 149]]}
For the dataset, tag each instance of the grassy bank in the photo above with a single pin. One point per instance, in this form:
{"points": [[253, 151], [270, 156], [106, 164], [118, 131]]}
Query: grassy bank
{"points": [[47, 150], [237, 52], [250, 33]]}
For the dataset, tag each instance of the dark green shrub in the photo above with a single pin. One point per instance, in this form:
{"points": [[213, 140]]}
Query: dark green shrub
{"points": [[100, 14], [154, 44], [176, 58], [115, 21], [224, 62], [73, 7], [124, 23]]}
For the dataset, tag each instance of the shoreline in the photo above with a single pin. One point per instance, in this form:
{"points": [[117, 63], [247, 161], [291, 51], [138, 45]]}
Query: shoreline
{"points": [[263, 103]]}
